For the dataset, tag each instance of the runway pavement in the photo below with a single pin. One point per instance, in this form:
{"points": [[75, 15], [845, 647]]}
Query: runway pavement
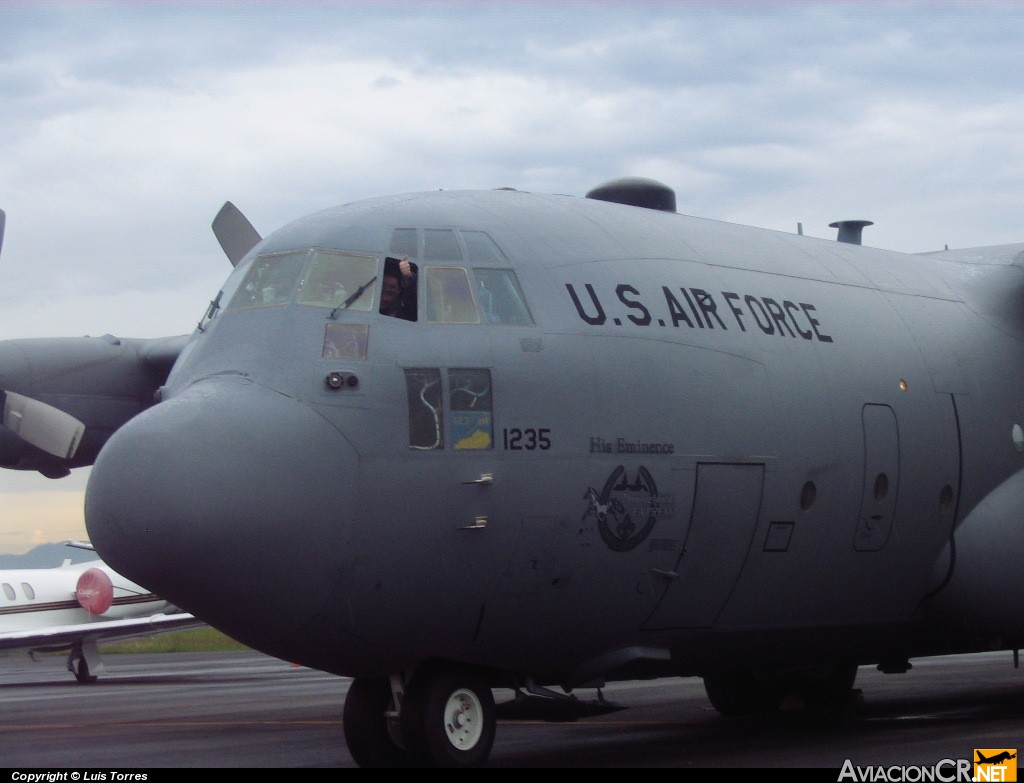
{"points": [[246, 710]]}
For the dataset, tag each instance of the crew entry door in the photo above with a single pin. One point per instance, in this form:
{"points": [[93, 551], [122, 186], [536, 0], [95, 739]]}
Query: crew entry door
{"points": [[881, 478], [727, 501]]}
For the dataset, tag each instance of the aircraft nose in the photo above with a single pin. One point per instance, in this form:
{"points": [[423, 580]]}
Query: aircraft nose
{"points": [[199, 496]]}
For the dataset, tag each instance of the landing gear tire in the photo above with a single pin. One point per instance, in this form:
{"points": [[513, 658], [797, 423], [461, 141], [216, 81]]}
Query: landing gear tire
{"points": [[448, 718], [742, 693], [365, 722]]}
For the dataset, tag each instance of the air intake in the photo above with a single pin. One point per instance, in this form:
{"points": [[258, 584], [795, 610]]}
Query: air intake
{"points": [[850, 230]]}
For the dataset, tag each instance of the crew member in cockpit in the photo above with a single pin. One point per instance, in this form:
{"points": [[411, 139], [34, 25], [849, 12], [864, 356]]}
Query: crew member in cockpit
{"points": [[398, 289]]}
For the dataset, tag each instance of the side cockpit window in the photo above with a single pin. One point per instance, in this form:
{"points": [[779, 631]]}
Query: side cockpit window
{"points": [[398, 288], [500, 297], [493, 297], [465, 279], [449, 297]]}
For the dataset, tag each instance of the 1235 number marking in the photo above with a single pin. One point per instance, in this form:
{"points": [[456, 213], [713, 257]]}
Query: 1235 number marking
{"points": [[529, 439]]}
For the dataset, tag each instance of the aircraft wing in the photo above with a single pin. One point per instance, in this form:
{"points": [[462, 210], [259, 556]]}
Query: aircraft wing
{"points": [[61, 398], [63, 636]]}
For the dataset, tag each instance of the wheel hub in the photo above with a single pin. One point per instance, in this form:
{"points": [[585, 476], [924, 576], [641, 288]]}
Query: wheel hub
{"points": [[464, 724]]}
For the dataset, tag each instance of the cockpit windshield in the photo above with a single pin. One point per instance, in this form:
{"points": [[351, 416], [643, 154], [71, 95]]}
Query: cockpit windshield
{"points": [[321, 278]]}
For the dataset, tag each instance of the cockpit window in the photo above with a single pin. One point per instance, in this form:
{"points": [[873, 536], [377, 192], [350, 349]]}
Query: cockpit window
{"points": [[480, 247], [271, 280], [500, 298], [398, 295], [321, 278], [439, 244], [403, 243], [345, 341], [449, 298], [449, 294], [446, 244], [339, 280]]}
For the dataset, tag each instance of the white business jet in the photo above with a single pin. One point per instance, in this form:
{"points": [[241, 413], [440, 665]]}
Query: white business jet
{"points": [[74, 606]]}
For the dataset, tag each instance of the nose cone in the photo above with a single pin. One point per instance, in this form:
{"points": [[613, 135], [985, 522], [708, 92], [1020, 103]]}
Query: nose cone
{"points": [[231, 501]]}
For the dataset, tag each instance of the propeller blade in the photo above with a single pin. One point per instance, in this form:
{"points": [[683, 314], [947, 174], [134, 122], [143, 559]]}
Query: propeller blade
{"points": [[45, 427], [3, 222], [234, 232]]}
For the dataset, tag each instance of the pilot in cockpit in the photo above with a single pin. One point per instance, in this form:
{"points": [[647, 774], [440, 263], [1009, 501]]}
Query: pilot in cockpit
{"points": [[398, 289]]}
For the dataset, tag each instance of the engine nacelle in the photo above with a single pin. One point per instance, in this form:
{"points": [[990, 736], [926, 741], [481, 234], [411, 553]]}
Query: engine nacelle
{"points": [[982, 595]]}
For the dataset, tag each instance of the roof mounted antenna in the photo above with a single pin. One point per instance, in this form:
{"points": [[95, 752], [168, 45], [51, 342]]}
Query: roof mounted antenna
{"points": [[850, 230]]}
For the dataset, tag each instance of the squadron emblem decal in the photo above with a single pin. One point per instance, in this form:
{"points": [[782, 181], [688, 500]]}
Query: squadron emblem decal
{"points": [[625, 511]]}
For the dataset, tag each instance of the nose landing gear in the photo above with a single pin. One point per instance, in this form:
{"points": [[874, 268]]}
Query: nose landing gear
{"points": [[446, 719]]}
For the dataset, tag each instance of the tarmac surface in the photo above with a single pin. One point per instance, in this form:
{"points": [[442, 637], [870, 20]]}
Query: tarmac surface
{"points": [[246, 710]]}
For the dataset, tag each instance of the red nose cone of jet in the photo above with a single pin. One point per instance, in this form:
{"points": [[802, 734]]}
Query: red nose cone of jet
{"points": [[95, 592]]}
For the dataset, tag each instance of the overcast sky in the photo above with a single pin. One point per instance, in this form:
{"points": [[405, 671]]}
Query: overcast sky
{"points": [[125, 126]]}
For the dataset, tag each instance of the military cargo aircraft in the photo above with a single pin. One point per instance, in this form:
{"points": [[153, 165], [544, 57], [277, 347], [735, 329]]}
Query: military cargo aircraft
{"points": [[609, 441], [73, 607]]}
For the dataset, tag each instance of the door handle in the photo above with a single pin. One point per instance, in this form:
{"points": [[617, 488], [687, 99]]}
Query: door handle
{"points": [[478, 524]]}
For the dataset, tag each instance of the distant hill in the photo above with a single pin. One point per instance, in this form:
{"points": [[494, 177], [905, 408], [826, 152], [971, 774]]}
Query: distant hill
{"points": [[47, 556]]}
